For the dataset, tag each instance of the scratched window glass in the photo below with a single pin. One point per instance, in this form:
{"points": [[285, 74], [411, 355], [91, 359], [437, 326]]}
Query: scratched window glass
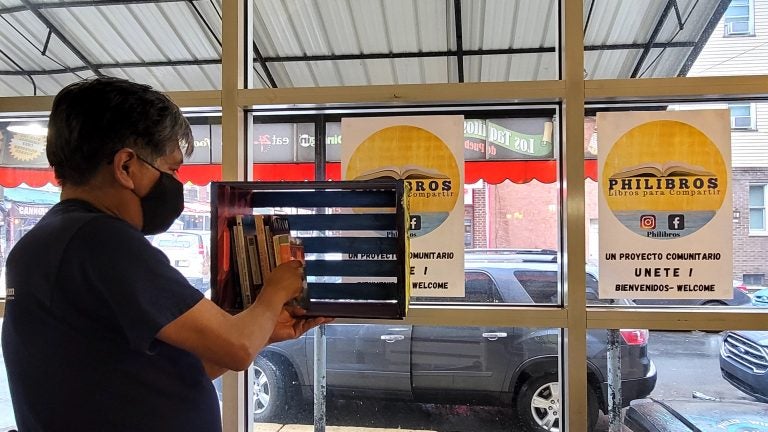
{"points": [[682, 380], [416, 377]]}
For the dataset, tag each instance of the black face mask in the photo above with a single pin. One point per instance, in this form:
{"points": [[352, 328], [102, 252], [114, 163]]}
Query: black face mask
{"points": [[162, 204]]}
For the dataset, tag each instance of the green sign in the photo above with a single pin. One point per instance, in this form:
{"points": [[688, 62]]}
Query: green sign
{"points": [[529, 145]]}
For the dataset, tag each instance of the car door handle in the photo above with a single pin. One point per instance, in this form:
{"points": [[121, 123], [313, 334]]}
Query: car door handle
{"points": [[494, 336], [392, 338]]}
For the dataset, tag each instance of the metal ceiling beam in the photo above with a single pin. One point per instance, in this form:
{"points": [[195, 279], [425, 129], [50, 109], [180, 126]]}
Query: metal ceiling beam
{"points": [[114, 66], [84, 3], [260, 59], [589, 16], [33, 8], [459, 41], [652, 39], [505, 51], [708, 30], [210, 62]]}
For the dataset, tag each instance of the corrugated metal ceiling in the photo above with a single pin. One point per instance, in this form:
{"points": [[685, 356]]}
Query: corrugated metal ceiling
{"points": [[176, 45]]}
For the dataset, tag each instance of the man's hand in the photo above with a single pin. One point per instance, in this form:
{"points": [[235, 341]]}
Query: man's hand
{"points": [[291, 326], [283, 284]]}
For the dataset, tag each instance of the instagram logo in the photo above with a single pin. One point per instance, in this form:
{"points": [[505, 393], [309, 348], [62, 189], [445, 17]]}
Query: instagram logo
{"points": [[648, 222]]}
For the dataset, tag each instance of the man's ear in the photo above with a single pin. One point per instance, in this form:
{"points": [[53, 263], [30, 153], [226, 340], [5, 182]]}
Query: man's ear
{"points": [[124, 167]]}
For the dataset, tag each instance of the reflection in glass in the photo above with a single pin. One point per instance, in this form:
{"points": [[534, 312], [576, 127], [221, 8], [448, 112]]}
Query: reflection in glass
{"points": [[709, 380], [631, 39], [417, 377]]}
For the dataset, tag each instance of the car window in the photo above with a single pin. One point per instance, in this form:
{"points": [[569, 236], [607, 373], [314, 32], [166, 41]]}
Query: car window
{"points": [[540, 285], [479, 288]]}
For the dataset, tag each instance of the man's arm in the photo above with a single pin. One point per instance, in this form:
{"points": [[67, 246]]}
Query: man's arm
{"points": [[223, 341]]}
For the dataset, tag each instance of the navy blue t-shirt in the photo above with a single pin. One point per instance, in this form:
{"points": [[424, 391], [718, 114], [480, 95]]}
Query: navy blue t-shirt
{"points": [[86, 296]]}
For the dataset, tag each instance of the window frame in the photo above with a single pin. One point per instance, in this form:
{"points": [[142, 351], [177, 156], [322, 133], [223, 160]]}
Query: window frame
{"points": [[764, 208], [752, 116], [728, 21]]}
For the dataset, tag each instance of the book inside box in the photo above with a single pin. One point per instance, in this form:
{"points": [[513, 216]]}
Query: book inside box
{"points": [[352, 237]]}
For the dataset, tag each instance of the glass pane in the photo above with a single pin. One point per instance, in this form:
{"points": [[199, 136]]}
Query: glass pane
{"points": [[737, 11], [701, 381], [518, 231], [757, 219], [742, 122], [739, 110], [171, 46], [462, 379], [23, 160], [631, 39], [757, 196], [316, 44]]}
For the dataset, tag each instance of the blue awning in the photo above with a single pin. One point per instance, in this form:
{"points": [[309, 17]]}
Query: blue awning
{"points": [[31, 196]]}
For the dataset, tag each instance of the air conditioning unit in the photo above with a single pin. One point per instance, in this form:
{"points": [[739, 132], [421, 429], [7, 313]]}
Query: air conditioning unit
{"points": [[741, 122], [735, 28]]}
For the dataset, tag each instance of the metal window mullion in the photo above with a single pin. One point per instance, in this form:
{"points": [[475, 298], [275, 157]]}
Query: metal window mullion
{"points": [[675, 318]]}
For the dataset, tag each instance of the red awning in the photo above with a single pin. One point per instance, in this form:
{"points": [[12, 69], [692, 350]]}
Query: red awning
{"points": [[493, 172]]}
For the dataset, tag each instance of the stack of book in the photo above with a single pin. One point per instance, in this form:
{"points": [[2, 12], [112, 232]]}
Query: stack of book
{"points": [[261, 243]]}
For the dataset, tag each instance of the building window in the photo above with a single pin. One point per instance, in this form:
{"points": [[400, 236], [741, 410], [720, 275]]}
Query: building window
{"points": [[742, 116], [756, 279], [468, 232], [757, 209], [740, 18]]}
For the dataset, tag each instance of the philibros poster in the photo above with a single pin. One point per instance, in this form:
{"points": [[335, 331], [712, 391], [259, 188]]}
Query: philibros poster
{"points": [[428, 153], [665, 205]]}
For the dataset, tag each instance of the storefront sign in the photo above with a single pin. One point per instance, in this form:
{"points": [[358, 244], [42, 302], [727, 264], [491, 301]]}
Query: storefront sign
{"points": [[426, 152], [22, 150], [511, 138], [273, 142], [29, 211], [306, 142], [665, 205], [201, 135], [216, 143]]}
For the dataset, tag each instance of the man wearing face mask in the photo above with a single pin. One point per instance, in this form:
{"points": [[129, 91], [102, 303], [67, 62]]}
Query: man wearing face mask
{"points": [[100, 331]]}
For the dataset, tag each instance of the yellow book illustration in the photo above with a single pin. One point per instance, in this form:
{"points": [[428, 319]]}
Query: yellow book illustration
{"points": [[401, 172]]}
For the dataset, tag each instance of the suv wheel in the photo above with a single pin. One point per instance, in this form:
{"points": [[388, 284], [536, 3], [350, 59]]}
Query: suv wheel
{"points": [[270, 392], [538, 404]]}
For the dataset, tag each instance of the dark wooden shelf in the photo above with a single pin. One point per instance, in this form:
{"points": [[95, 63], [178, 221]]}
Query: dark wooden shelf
{"points": [[354, 235]]}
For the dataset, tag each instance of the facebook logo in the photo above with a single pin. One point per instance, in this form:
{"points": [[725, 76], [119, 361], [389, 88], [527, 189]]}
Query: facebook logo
{"points": [[676, 222], [415, 223]]}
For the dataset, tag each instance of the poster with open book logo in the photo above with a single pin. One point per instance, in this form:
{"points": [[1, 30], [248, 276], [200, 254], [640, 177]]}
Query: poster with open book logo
{"points": [[427, 152], [665, 205]]}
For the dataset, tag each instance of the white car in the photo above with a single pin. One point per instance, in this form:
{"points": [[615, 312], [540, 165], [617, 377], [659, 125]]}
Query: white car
{"points": [[189, 253]]}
